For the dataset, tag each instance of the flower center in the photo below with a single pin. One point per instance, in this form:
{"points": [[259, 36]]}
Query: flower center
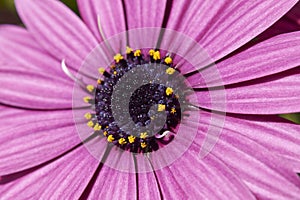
{"points": [[148, 119]]}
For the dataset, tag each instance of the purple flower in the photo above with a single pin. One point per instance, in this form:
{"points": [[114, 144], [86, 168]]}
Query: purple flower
{"points": [[256, 155]]}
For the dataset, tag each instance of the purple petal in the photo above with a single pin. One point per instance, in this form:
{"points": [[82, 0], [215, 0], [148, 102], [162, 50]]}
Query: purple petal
{"points": [[274, 94], [111, 16], [223, 27], [194, 178], [57, 29], [20, 48], [268, 175], [23, 88], [66, 178], [268, 57], [34, 138]]}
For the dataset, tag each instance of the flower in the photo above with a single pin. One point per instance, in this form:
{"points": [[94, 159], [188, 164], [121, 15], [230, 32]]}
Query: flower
{"points": [[256, 155]]}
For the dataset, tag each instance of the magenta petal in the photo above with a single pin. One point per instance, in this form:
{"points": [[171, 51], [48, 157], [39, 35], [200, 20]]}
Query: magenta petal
{"points": [[223, 27], [65, 178], [112, 18], [28, 89], [142, 14], [276, 94], [26, 52], [57, 29], [37, 139], [194, 178], [268, 57]]}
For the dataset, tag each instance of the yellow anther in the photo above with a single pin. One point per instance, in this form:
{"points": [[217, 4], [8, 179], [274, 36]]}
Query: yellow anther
{"points": [[143, 135], [173, 110], [156, 55], [161, 107], [90, 124], [110, 138], [122, 141], [90, 88], [97, 127], [86, 99], [169, 91], [170, 70], [151, 52], [113, 66], [88, 116], [137, 53], [168, 60], [118, 57], [99, 81], [105, 133], [128, 50], [101, 70], [115, 72], [131, 139], [143, 145]]}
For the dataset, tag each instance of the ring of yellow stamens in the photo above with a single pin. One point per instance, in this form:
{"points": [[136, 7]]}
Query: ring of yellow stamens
{"points": [[143, 135], [156, 55], [170, 71], [169, 91], [110, 138], [97, 127], [161, 107], [168, 60], [122, 141], [118, 57], [90, 124], [87, 99], [143, 145], [137, 53], [88, 116], [90, 88], [131, 139], [128, 50]]}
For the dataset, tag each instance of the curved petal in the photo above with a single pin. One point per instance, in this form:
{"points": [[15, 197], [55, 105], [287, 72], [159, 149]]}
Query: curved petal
{"points": [[268, 175], [18, 47], [66, 178], [111, 16], [276, 94], [34, 138], [193, 178], [223, 27], [266, 58], [35, 89], [58, 30]]}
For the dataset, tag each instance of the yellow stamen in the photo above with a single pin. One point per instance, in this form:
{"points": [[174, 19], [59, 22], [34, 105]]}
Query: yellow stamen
{"points": [[161, 107], [169, 91], [143, 145], [118, 57], [113, 66], [170, 71], [90, 88], [105, 133], [128, 50], [101, 70], [110, 138], [131, 139], [122, 141], [88, 116], [144, 135], [99, 81], [173, 110], [156, 55], [115, 72], [151, 52], [90, 124], [168, 60], [86, 99], [97, 127], [137, 53]]}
